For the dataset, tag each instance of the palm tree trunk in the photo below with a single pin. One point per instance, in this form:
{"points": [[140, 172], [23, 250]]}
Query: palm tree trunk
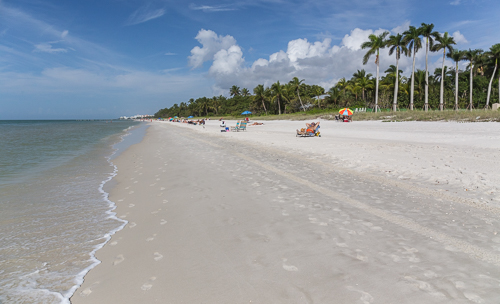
{"points": [[470, 86], [396, 85], [376, 84], [456, 88], [441, 90], [426, 106], [304, 109], [279, 106], [264, 105], [489, 86], [412, 81]]}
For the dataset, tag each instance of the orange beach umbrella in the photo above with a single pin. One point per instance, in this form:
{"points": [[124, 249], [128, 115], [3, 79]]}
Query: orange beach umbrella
{"points": [[345, 111]]}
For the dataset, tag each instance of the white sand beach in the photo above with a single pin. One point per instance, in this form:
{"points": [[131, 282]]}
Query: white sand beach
{"points": [[370, 212]]}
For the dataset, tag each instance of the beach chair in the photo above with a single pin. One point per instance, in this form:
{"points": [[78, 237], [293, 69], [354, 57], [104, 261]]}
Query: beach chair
{"points": [[243, 126], [304, 133], [235, 128]]}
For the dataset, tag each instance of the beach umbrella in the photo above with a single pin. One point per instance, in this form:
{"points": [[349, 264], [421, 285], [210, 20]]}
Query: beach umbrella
{"points": [[190, 116], [176, 117], [346, 111], [246, 112]]}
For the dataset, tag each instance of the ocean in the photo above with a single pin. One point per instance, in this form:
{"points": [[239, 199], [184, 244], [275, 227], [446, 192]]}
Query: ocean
{"points": [[54, 211]]}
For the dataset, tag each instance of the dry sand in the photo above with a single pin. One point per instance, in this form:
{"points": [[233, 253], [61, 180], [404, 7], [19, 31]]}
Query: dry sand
{"points": [[371, 212]]}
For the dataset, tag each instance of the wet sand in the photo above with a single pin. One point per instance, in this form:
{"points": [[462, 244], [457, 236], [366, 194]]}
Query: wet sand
{"points": [[368, 213]]}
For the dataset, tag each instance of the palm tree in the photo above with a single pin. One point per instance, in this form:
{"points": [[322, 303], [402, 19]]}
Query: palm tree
{"points": [[471, 56], [234, 91], [493, 54], [444, 43], [420, 81], [363, 80], [334, 94], [365, 83], [215, 104], [374, 45], [245, 92], [429, 35], [260, 95], [297, 84], [318, 91], [456, 56], [414, 43], [341, 85], [278, 92], [396, 44]]}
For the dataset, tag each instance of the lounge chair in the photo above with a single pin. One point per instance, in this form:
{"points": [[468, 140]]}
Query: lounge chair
{"points": [[307, 132], [242, 127], [235, 128]]}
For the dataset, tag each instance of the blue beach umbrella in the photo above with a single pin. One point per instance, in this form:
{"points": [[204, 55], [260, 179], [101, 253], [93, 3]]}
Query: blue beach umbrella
{"points": [[246, 112], [190, 116]]}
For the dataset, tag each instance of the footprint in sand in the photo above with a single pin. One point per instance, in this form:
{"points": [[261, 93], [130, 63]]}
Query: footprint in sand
{"points": [[284, 213], [131, 192], [165, 201], [151, 238], [157, 179], [135, 182], [113, 243], [87, 291], [120, 200], [163, 222], [119, 258], [158, 256], [289, 267], [132, 225], [127, 188], [152, 185], [162, 188], [148, 284], [131, 205], [366, 298]]}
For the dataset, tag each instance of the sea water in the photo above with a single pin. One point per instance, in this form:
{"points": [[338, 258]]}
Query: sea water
{"points": [[54, 213]]}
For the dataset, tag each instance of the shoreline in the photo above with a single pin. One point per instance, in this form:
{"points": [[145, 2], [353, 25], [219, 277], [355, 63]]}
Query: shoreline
{"points": [[157, 255], [104, 188]]}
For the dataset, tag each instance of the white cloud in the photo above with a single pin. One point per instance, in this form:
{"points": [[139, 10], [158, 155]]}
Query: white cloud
{"points": [[459, 38], [317, 62], [455, 2], [47, 48], [401, 28], [145, 14], [227, 61], [210, 9], [211, 45], [170, 54], [64, 34]]}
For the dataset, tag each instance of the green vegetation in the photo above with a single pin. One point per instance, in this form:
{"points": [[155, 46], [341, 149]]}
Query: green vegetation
{"points": [[446, 89]]}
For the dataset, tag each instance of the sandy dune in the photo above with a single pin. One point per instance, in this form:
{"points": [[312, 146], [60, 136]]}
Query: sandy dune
{"points": [[371, 212]]}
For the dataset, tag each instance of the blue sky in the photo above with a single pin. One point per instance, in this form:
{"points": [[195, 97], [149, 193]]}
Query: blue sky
{"points": [[108, 58]]}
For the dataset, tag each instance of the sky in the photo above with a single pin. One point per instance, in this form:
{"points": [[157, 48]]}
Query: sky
{"points": [[99, 59]]}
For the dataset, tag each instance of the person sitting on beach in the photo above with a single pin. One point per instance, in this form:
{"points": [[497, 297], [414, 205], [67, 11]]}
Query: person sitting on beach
{"points": [[223, 124], [312, 127]]}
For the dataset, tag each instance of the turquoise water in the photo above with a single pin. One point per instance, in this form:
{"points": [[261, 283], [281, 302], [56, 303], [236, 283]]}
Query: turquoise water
{"points": [[54, 213]]}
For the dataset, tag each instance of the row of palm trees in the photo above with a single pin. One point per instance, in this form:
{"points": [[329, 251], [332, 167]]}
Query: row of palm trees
{"points": [[410, 42]]}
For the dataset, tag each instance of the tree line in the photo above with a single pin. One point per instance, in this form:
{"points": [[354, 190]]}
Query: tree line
{"points": [[447, 87]]}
